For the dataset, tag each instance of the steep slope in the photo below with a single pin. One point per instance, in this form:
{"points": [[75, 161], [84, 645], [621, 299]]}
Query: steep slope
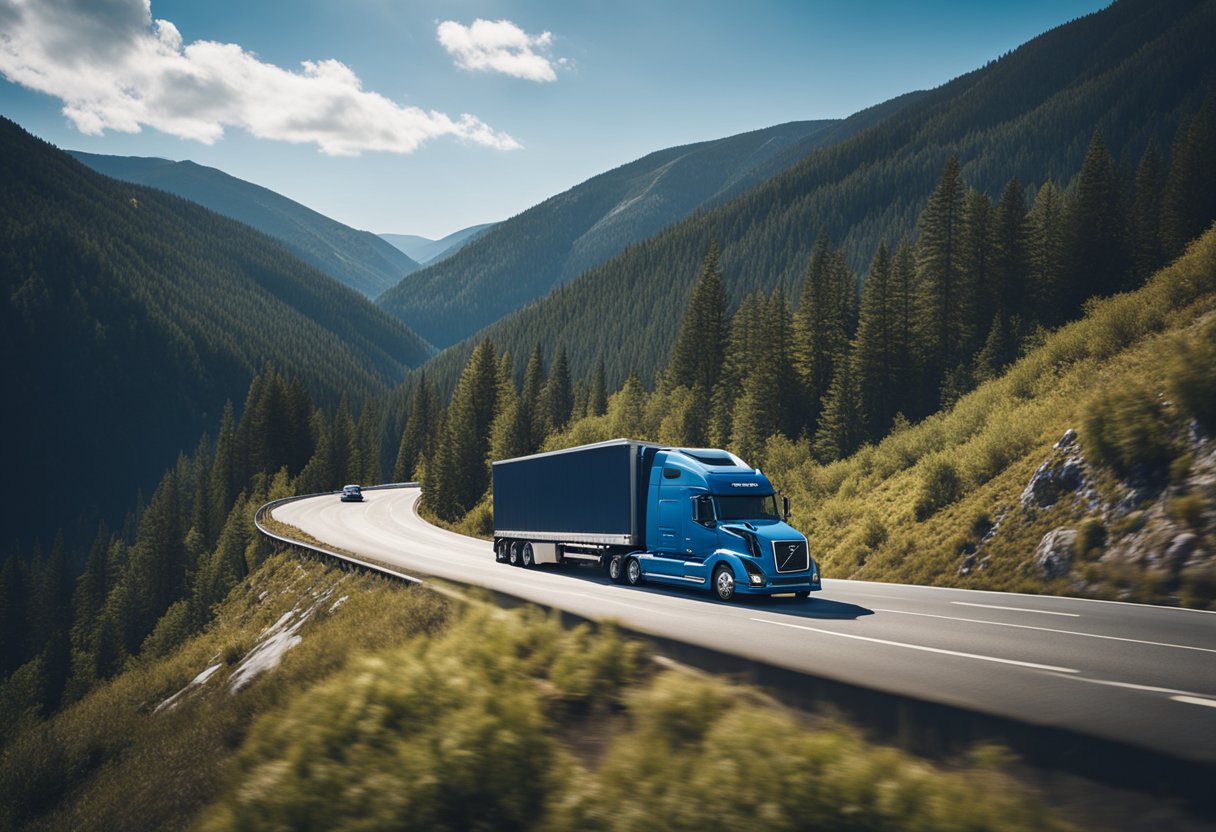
{"points": [[524, 257], [1133, 71], [359, 259], [427, 251], [131, 315], [1087, 469]]}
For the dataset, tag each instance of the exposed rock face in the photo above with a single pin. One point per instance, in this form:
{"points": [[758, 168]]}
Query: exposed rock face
{"points": [[1180, 550], [1053, 555]]}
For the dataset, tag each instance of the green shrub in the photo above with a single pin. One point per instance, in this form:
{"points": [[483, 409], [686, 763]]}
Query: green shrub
{"points": [[1188, 510], [1091, 537], [1190, 377], [1126, 429], [940, 486]]}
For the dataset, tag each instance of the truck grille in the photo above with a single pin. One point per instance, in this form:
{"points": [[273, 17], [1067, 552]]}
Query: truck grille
{"points": [[791, 555]]}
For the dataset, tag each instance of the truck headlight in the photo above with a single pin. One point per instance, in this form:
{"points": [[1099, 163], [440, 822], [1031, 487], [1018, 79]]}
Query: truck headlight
{"points": [[755, 579]]}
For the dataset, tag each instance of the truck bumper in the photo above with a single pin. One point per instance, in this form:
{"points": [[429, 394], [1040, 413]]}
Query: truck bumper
{"points": [[769, 588]]}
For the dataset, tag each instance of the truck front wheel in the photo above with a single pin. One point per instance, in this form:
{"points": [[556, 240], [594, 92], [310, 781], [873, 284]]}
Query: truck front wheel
{"points": [[633, 572], [724, 583]]}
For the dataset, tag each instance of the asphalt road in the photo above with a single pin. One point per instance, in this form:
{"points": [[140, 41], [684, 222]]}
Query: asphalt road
{"points": [[1140, 675]]}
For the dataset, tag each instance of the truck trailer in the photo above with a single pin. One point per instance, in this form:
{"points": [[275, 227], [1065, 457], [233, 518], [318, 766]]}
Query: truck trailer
{"points": [[696, 517]]}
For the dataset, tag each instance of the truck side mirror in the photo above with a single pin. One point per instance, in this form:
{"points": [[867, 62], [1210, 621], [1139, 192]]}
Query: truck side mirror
{"points": [[785, 508]]}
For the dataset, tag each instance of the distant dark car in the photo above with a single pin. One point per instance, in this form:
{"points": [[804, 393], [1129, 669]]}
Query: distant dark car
{"points": [[352, 494]]}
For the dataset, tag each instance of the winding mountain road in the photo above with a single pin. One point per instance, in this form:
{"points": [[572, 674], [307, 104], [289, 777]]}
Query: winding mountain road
{"points": [[1136, 675]]}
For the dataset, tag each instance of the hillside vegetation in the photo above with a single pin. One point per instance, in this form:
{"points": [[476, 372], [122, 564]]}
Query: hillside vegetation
{"points": [[359, 259], [967, 496], [1134, 72], [522, 258], [131, 316], [322, 699]]}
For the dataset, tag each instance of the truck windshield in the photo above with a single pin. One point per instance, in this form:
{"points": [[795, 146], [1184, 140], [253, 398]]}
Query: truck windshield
{"points": [[751, 507]]}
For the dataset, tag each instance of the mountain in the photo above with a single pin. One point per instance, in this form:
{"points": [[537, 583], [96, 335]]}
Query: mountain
{"points": [[132, 315], [427, 251], [1134, 71], [523, 258], [359, 259]]}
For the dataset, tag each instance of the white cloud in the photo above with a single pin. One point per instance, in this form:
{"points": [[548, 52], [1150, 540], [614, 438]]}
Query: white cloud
{"points": [[115, 68], [499, 46]]}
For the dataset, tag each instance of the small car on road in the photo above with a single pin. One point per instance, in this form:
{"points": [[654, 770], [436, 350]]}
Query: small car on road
{"points": [[352, 494]]}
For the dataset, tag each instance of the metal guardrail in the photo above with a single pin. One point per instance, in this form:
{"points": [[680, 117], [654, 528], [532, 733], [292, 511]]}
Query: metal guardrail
{"points": [[267, 508]]}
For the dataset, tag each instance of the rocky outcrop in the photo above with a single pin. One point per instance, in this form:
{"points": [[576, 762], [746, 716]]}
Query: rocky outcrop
{"points": [[1053, 555], [1061, 473]]}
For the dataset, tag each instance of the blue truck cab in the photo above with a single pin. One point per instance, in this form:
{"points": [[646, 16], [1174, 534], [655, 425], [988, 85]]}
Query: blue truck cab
{"points": [[715, 523], [697, 517]]}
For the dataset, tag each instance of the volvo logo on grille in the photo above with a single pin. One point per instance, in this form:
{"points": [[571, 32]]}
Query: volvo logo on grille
{"points": [[791, 556]]}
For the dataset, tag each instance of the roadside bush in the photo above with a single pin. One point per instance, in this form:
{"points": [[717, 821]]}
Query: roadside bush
{"points": [[699, 755], [1190, 377], [940, 486], [1126, 429]]}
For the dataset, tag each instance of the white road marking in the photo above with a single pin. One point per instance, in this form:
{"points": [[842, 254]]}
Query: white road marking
{"points": [[1015, 609], [1050, 630], [924, 648], [1175, 693], [1194, 700]]}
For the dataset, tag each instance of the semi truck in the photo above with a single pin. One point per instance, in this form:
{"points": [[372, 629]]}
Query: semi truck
{"points": [[698, 517]]}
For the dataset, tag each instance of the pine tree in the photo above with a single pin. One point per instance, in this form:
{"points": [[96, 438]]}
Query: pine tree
{"points": [[1047, 253], [877, 365], [842, 428], [1188, 205], [744, 334], [942, 319], [368, 439], [777, 341], [417, 441], [976, 296], [597, 394], [1010, 256], [511, 430], [534, 385], [91, 587], [700, 348], [344, 441], [221, 482], [1095, 253], [999, 350], [557, 398], [819, 329], [1147, 254], [461, 472]]}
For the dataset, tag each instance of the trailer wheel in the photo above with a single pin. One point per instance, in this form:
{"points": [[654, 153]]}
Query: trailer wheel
{"points": [[724, 582], [502, 550], [616, 572], [633, 572], [527, 557], [514, 555]]}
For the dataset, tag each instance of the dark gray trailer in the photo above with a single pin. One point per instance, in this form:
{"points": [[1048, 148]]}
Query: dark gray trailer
{"points": [[593, 495]]}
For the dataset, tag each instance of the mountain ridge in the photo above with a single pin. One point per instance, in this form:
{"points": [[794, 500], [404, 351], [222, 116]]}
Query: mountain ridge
{"points": [[356, 258]]}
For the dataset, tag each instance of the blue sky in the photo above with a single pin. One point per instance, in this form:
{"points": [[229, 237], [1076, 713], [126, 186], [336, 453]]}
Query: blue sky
{"points": [[375, 133]]}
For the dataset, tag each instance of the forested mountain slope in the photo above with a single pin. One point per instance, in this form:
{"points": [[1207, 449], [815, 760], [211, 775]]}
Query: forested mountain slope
{"points": [[1134, 72], [131, 316], [524, 257], [359, 259]]}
